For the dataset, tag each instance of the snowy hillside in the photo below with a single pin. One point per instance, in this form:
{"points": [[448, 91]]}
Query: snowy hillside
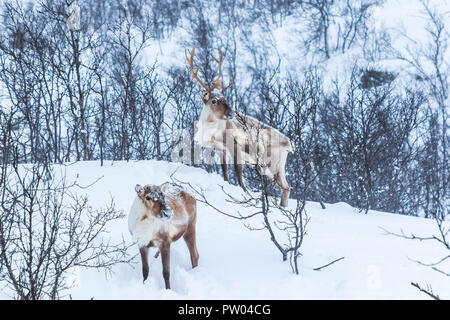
{"points": [[236, 263], [360, 88]]}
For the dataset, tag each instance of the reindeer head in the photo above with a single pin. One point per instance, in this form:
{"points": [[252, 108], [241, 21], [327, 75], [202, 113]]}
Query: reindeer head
{"points": [[213, 97], [153, 200]]}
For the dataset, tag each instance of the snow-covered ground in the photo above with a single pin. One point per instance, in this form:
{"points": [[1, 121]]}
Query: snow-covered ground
{"points": [[236, 263]]}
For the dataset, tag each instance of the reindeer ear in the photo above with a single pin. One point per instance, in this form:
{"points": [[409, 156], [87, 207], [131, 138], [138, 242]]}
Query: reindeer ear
{"points": [[138, 188], [205, 95]]}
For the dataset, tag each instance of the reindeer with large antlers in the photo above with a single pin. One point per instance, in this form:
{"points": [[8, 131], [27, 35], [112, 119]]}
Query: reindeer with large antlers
{"points": [[242, 138]]}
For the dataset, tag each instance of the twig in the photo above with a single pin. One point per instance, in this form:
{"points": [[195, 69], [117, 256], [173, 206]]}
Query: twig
{"points": [[427, 291], [440, 271], [328, 264], [200, 196]]}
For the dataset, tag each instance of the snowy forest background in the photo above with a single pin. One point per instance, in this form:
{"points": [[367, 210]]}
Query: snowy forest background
{"points": [[364, 100]]}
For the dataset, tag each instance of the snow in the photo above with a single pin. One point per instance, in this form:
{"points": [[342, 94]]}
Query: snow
{"points": [[236, 263], [171, 189]]}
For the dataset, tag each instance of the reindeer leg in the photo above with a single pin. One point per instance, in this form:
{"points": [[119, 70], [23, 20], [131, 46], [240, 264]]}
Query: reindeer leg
{"points": [[190, 239], [225, 167], [237, 158], [238, 170], [284, 187], [144, 258], [165, 257]]}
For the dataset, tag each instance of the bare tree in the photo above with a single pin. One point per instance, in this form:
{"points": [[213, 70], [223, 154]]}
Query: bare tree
{"points": [[370, 137], [440, 237], [45, 227], [335, 25], [130, 35], [433, 168], [45, 230], [431, 68]]}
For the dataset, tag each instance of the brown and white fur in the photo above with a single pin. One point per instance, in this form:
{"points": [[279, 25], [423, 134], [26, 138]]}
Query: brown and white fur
{"points": [[159, 216], [245, 140]]}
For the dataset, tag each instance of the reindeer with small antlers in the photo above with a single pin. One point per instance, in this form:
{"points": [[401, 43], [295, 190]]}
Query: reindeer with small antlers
{"points": [[242, 138]]}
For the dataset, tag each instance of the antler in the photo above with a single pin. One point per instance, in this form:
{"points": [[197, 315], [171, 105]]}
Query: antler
{"points": [[195, 73], [229, 85], [219, 62], [219, 82]]}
